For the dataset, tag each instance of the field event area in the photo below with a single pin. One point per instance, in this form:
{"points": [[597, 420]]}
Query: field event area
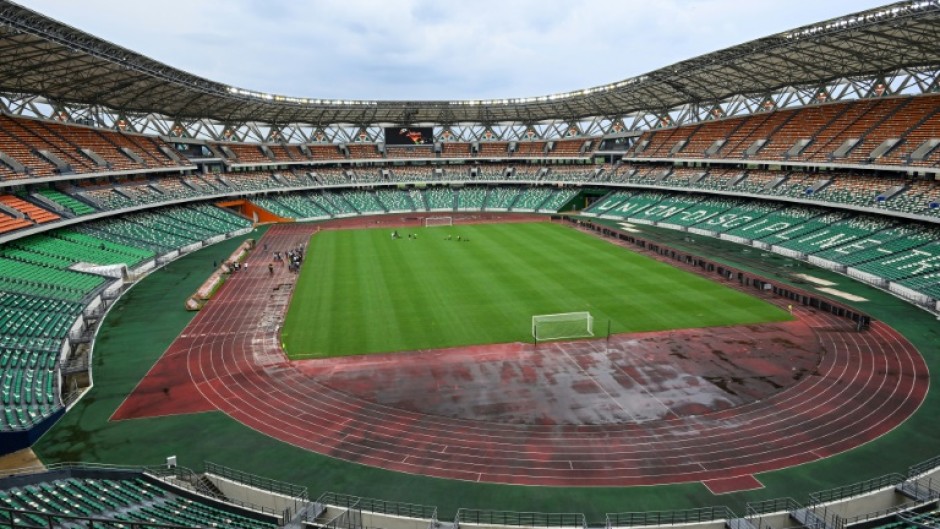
{"points": [[366, 291]]}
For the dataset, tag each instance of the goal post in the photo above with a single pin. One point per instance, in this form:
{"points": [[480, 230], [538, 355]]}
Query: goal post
{"points": [[431, 222], [563, 326]]}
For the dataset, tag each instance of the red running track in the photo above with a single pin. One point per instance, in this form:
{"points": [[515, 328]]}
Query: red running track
{"points": [[864, 385]]}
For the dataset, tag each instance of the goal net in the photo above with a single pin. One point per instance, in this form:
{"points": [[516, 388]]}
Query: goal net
{"points": [[562, 326], [431, 222]]}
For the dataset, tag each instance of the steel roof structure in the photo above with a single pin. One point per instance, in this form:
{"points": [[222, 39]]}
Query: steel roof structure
{"points": [[66, 67]]}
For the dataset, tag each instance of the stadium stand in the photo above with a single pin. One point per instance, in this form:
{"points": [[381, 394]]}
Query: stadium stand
{"points": [[471, 198], [494, 149], [409, 151], [122, 498], [359, 151], [245, 153], [66, 202], [568, 148], [530, 148], [325, 152], [455, 150]]}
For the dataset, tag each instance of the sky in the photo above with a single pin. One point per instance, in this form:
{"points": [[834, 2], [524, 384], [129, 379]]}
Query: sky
{"points": [[429, 50]]}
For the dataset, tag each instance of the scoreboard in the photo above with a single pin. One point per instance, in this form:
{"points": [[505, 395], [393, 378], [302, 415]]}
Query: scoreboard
{"points": [[409, 135]]}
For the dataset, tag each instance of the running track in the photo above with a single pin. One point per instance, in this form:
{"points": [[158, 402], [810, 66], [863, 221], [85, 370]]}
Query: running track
{"points": [[229, 359]]}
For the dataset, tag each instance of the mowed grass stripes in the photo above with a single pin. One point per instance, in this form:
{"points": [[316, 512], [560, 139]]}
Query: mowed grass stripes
{"points": [[360, 292]]}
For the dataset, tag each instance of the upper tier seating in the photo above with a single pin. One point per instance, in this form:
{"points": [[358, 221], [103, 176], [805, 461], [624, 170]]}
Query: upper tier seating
{"points": [[325, 152], [359, 151], [455, 150], [494, 148], [567, 148], [78, 149], [826, 128], [530, 148]]}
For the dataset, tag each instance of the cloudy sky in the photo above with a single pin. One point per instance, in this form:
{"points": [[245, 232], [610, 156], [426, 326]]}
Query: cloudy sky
{"points": [[425, 49]]}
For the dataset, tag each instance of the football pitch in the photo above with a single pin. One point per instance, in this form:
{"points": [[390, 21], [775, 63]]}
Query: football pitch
{"points": [[361, 292]]}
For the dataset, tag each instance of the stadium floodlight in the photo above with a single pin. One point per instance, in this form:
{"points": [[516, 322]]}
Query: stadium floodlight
{"points": [[563, 326], [432, 222]]}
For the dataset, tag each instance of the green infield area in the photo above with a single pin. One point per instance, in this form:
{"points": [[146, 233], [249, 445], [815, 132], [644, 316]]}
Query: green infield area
{"points": [[363, 292]]}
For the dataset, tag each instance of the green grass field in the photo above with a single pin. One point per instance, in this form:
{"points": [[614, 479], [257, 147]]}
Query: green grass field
{"points": [[360, 292]]}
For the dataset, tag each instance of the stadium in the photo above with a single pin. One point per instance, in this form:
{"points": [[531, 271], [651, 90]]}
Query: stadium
{"points": [[705, 296]]}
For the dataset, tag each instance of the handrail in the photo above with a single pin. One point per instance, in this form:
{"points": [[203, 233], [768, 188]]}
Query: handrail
{"points": [[855, 489], [393, 508], [522, 519], [680, 517], [258, 482]]}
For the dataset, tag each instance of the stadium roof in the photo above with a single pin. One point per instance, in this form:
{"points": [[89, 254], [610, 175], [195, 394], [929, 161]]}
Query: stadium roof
{"points": [[44, 57]]}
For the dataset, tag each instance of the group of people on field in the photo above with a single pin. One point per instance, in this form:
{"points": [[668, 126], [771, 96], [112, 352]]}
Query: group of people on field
{"points": [[293, 257]]}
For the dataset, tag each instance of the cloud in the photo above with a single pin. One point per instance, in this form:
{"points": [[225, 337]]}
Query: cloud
{"points": [[422, 49]]}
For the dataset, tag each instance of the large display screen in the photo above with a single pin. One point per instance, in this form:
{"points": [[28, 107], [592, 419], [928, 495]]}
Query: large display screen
{"points": [[409, 135]]}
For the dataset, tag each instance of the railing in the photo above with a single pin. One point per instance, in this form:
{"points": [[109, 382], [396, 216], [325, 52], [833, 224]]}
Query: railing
{"points": [[392, 508], [883, 513], [925, 466], [186, 479], [757, 508], [519, 519], [681, 517], [350, 518], [267, 484], [855, 489]]}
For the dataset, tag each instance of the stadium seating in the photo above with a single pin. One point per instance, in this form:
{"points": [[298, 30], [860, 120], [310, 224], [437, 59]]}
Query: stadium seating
{"points": [[330, 176], [530, 199], [417, 198], [892, 238], [332, 206], [494, 149], [11, 223], [73, 146], [826, 127], [501, 198], [440, 198], [394, 200], [530, 148], [276, 206], [325, 152], [250, 181], [363, 202], [30, 211], [921, 197], [455, 150], [358, 151], [245, 153], [71, 204], [158, 232], [413, 174], [409, 151], [132, 500], [570, 174], [471, 198], [567, 148], [558, 199]]}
